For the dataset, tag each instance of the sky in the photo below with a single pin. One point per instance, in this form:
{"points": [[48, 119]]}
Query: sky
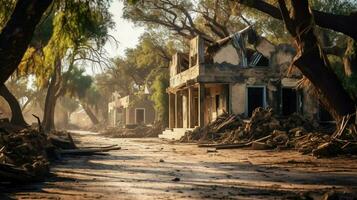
{"points": [[125, 32]]}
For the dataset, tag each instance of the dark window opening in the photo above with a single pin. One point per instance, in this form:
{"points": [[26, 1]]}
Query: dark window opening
{"points": [[289, 101], [263, 62], [255, 99], [184, 63], [256, 59]]}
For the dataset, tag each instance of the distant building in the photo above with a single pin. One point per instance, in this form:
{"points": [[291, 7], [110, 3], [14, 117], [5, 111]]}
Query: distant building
{"points": [[130, 111], [236, 75]]}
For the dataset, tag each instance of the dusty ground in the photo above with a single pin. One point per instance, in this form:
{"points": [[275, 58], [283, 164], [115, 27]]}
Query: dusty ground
{"points": [[154, 169]]}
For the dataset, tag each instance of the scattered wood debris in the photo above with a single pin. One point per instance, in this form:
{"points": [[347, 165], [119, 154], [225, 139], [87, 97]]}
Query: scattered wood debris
{"points": [[26, 152], [266, 131], [88, 151]]}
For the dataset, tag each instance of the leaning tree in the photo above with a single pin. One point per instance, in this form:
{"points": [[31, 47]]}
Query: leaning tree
{"points": [[311, 59]]}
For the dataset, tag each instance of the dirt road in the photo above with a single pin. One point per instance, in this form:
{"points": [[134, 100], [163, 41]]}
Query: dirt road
{"points": [[154, 169]]}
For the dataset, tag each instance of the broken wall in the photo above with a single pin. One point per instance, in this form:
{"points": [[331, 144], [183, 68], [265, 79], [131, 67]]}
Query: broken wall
{"points": [[227, 55], [216, 101], [238, 98]]}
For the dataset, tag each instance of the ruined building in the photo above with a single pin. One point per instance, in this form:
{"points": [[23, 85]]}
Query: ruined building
{"points": [[130, 111], [236, 75]]}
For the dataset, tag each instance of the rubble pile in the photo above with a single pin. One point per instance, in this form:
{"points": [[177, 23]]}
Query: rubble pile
{"points": [[26, 152], [23, 154], [139, 131], [265, 131], [224, 123]]}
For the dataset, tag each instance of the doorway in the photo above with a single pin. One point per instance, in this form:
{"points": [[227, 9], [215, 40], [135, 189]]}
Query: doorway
{"points": [[255, 98], [140, 116], [289, 101]]}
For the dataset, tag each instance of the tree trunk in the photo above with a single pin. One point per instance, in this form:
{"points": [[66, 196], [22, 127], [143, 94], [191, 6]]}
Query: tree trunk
{"points": [[313, 63], [17, 34], [90, 114], [17, 117], [49, 112], [50, 104], [350, 58], [340, 23], [51, 98]]}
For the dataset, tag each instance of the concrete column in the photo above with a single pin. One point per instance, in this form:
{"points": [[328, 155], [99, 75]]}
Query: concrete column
{"points": [[201, 104], [171, 111], [185, 109], [176, 110], [190, 108]]}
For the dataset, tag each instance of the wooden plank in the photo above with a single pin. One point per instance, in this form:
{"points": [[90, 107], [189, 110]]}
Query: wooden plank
{"points": [[87, 151], [234, 146]]}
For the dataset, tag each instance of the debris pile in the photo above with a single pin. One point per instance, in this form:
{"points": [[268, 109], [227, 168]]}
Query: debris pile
{"points": [[224, 123], [23, 155], [266, 131], [26, 152], [139, 131]]}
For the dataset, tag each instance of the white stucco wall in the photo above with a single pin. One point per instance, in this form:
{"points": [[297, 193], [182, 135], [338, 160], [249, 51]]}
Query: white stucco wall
{"points": [[227, 54], [284, 57], [238, 98], [265, 47], [184, 111], [289, 82]]}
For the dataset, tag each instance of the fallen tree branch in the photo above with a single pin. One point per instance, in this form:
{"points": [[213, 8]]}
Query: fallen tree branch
{"points": [[87, 151], [71, 140], [234, 146], [247, 144], [109, 146], [38, 122]]}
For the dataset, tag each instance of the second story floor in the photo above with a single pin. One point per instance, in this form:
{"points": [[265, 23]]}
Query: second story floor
{"points": [[242, 54]]}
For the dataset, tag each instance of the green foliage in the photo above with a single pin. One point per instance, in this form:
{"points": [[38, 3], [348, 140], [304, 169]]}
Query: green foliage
{"points": [[77, 83], [93, 98], [74, 31], [140, 65], [6, 8], [80, 26], [80, 21], [146, 65], [160, 97]]}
